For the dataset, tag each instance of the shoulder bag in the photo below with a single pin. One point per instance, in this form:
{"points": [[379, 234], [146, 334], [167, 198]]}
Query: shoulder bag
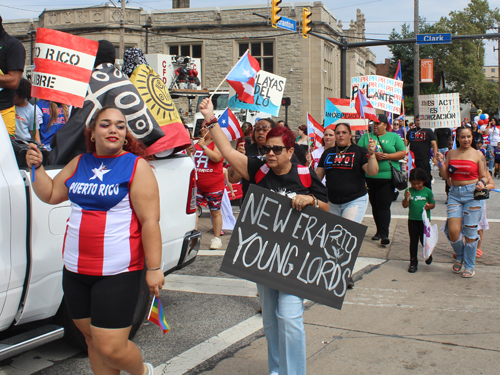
{"points": [[399, 179]]}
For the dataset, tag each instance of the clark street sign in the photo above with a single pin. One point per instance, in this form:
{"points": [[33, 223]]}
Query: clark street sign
{"points": [[433, 38], [287, 24]]}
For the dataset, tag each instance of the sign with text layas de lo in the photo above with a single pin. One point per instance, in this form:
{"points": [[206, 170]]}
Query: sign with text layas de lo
{"points": [[309, 253]]}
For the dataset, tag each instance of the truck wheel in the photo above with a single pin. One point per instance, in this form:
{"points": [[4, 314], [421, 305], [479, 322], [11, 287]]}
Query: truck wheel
{"points": [[75, 338], [199, 211]]}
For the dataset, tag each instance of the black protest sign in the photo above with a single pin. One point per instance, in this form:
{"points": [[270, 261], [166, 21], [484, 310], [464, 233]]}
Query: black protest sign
{"points": [[310, 253]]}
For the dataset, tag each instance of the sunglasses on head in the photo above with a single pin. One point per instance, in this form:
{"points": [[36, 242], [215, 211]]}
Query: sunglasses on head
{"points": [[277, 150], [263, 128]]}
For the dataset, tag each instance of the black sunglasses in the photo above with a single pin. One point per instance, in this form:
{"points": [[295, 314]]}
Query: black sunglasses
{"points": [[277, 150]]}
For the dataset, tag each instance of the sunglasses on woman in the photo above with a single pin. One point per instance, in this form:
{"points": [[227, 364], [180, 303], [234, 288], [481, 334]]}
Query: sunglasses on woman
{"points": [[277, 150]]}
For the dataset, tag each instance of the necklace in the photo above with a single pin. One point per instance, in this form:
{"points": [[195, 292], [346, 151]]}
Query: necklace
{"points": [[343, 151]]}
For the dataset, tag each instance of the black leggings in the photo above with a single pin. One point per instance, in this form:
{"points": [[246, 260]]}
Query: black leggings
{"points": [[416, 232], [381, 194]]}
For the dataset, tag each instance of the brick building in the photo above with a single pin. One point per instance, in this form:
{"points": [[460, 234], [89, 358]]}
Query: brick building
{"points": [[219, 36]]}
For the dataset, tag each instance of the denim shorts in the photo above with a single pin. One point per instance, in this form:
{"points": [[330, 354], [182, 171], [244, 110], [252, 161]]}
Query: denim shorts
{"points": [[461, 204]]}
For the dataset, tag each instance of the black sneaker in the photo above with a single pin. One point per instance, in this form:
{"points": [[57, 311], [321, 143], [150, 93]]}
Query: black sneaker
{"points": [[376, 237], [385, 241], [429, 260], [413, 268]]}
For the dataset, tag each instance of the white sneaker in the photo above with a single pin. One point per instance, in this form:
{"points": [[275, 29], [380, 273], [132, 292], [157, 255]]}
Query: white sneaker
{"points": [[149, 369], [215, 243]]}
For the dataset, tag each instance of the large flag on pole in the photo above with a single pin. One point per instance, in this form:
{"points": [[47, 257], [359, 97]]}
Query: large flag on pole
{"points": [[242, 77], [63, 66], [315, 131], [230, 125], [364, 107], [399, 77]]}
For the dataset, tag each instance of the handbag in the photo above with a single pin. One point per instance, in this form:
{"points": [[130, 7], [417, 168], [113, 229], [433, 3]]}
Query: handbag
{"points": [[481, 194], [399, 179]]}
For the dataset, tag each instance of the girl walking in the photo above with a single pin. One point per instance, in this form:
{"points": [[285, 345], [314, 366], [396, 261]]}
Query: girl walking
{"points": [[417, 198]]}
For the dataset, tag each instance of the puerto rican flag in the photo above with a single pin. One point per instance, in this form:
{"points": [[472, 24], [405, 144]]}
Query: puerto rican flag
{"points": [[242, 77], [315, 131], [410, 156], [63, 66], [364, 107], [230, 125]]}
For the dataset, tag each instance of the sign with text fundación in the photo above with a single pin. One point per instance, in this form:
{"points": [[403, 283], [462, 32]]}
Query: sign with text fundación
{"points": [[433, 38]]}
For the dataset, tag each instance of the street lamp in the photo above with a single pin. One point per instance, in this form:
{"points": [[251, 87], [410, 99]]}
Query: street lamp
{"points": [[147, 26], [32, 33]]}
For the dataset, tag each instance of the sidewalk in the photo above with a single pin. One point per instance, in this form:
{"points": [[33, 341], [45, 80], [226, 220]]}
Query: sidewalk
{"points": [[393, 322]]}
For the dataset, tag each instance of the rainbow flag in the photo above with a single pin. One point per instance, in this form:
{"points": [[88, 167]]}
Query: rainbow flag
{"points": [[157, 317]]}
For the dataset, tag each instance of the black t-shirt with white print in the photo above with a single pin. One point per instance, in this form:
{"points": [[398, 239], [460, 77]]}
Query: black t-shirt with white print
{"points": [[287, 183], [345, 177]]}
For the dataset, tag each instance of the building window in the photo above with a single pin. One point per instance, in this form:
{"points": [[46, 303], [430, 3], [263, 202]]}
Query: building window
{"points": [[262, 51], [493, 70], [328, 71], [193, 50], [484, 70]]}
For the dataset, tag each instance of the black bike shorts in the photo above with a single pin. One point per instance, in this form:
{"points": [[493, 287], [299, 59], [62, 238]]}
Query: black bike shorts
{"points": [[109, 301]]}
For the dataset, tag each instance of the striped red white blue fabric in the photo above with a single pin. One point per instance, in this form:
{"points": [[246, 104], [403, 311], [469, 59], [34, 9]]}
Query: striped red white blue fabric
{"points": [[103, 233], [230, 125], [364, 107], [63, 66], [315, 131], [242, 77]]}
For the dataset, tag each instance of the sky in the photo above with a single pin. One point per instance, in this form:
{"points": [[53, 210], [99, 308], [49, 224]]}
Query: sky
{"points": [[381, 15]]}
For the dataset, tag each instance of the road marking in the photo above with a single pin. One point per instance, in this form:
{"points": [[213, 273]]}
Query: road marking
{"points": [[211, 252], [207, 349], [234, 286]]}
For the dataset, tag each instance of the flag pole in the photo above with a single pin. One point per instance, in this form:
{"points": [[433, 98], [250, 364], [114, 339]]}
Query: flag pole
{"points": [[220, 84]]}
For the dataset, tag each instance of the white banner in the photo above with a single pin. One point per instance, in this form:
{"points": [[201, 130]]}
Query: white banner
{"points": [[439, 111]]}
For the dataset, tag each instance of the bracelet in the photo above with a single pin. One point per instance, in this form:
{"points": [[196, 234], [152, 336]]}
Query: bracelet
{"points": [[315, 202], [153, 269], [204, 147], [38, 166], [210, 124], [484, 183]]}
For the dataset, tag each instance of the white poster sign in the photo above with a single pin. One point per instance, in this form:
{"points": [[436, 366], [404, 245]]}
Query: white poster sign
{"points": [[382, 92], [439, 111]]}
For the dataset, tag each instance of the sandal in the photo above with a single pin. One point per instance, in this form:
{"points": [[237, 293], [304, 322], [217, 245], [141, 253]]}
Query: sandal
{"points": [[457, 267], [468, 274], [479, 253]]}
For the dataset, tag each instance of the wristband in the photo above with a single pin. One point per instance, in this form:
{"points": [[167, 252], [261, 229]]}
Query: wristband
{"points": [[484, 183], [212, 122], [38, 166], [153, 269], [204, 147]]}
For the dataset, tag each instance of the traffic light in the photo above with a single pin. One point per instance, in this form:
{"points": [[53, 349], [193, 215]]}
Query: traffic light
{"points": [[306, 14], [274, 12]]}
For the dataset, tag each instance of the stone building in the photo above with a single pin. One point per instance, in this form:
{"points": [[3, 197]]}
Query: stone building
{"points": [[219, 36]]}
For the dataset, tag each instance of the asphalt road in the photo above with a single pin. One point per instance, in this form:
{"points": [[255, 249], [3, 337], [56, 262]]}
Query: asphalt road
{"points": [[210, 318]]}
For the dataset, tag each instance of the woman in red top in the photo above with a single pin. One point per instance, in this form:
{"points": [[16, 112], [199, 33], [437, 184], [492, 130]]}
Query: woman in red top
{"points": [[211, 184], [466, 169]]}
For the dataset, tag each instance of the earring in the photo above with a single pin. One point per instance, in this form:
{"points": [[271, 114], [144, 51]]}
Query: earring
{"points": [[125, 142], [92, 138]]}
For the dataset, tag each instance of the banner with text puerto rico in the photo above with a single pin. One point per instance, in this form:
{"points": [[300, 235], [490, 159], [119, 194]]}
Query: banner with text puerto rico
{"points": [[63, 65], [382, 92]]}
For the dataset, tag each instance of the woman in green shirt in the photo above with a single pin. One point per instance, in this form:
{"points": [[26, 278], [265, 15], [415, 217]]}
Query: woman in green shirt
{"points": [[390, 149]]}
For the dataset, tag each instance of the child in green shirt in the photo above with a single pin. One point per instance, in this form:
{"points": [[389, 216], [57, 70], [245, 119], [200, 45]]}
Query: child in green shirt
{"points": [[417, 198]]}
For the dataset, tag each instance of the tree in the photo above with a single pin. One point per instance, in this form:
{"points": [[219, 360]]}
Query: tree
{"points": [[461, 62], [404, 52]]}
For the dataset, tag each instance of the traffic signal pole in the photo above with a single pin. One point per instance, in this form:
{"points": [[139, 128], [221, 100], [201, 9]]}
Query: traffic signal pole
{"points": [[344, 45]]}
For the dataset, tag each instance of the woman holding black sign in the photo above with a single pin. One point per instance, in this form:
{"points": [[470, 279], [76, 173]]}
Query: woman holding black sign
{"points": [[281, 312]]}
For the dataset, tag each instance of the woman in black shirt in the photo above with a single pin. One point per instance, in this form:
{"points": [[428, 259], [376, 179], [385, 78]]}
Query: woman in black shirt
{"points": [[286, 340]]}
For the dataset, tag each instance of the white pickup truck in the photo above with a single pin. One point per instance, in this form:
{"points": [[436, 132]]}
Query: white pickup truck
{"points": [[32, 310]]}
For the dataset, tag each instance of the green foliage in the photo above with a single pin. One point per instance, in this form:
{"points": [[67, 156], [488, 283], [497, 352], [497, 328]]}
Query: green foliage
{"points": [[461, 62]]}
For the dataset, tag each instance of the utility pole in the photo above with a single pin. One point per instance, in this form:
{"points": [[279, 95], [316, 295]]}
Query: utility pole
{"points": [[122, 29], [498, 49], [416, 60]]}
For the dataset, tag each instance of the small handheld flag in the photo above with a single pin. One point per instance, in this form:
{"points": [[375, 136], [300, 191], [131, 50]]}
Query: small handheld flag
{"points": [[242, 77], [314, 131], [230, 125], [411, 162], [157, 317], [364, 107]]}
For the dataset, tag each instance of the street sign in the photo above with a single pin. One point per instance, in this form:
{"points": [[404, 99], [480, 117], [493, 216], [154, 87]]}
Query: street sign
{"points": [[433, 38], [287, 24]]}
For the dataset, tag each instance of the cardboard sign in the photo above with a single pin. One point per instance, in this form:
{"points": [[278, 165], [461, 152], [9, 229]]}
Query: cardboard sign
{"points": [[382, 92], [63, 65], [269, 89], [310, 253], [439, 111], [340, 110]]}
